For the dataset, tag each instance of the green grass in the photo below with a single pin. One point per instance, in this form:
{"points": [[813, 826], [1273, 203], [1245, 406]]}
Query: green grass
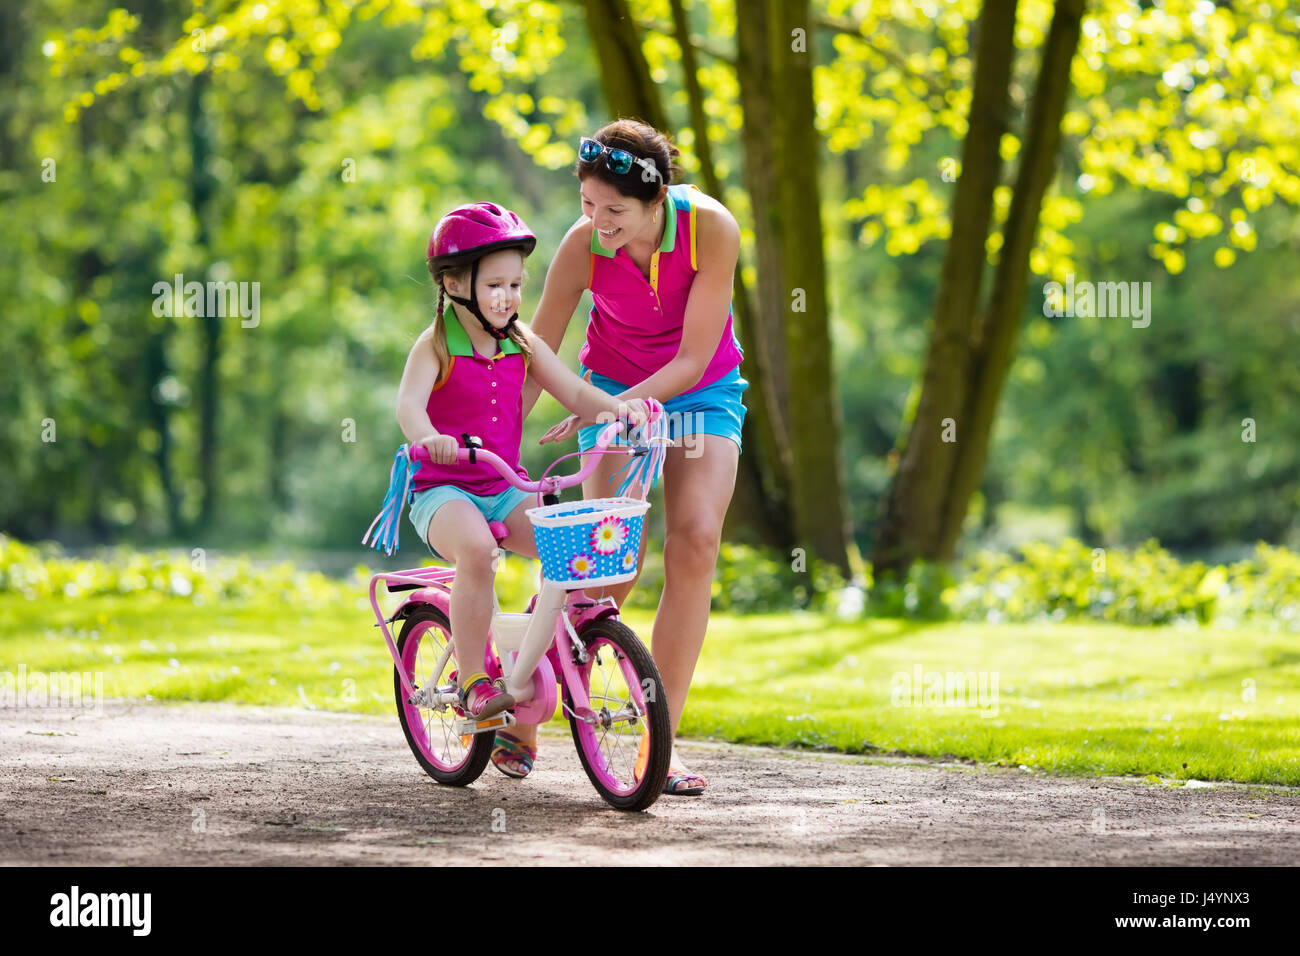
{"points": [[1082, 699]]}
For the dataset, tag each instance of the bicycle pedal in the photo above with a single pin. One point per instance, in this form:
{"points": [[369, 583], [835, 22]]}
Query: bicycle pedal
{"points": [[464, 727]]}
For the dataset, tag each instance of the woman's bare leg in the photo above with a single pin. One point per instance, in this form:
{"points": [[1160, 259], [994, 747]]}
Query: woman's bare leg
{"points": [[698, 484]]}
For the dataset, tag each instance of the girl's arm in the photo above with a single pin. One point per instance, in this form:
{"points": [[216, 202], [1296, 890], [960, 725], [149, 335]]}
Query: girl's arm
{"points": [[582, 398], [412, 403], [566, 279]]}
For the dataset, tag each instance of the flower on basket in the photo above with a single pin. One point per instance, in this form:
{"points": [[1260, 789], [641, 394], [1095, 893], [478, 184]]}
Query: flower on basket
{"points": [[629, 560], [608, 535], [581, 565]]}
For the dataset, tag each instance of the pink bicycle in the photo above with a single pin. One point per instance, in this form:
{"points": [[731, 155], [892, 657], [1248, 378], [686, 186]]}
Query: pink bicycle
{"points": [[609, 687]]}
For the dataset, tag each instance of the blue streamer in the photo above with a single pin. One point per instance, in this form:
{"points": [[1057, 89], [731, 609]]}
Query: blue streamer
{"points": [[389, 519], [647, 468]]}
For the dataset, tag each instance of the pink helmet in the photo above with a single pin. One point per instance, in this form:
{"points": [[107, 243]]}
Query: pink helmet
{"points": [[468, 233]]}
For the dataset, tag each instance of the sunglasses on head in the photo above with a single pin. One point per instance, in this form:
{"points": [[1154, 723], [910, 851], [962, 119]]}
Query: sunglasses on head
{"points": [[617, 160]]}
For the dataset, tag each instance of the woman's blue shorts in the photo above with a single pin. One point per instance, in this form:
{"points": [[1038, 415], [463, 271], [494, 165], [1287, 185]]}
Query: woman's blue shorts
{"points": [[715, 409]]}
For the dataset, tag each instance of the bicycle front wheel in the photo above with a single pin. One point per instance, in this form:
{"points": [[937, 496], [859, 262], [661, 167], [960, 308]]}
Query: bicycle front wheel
{"points": [[429, 658], [626, 747]]}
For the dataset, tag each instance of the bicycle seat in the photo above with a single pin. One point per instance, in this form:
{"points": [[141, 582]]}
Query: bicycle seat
{"points": [[499, 530]]}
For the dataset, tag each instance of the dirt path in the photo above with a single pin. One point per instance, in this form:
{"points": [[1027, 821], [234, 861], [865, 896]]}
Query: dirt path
{"points": [[148, 783]]}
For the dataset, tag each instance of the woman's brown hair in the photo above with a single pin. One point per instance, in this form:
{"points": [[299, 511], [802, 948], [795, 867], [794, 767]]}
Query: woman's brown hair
{"points": [[438, 330], [639, 139]]}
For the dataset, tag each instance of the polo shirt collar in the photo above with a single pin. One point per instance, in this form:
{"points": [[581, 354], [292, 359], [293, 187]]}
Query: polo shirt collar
{"points": [[458, 342], [670, 230]]}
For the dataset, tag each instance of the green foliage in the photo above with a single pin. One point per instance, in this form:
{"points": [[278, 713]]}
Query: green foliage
{"points": [[919, 596], [1146, 586], [43, 572], [751, 580], [1180, 158]]}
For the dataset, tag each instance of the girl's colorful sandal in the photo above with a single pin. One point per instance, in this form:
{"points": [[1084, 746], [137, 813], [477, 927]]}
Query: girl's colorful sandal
{"points": [[489, 699], [509, 749], [683, 783]]}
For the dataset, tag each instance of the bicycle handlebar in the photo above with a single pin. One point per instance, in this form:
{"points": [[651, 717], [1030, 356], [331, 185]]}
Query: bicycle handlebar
{"points": [[547, 485]]}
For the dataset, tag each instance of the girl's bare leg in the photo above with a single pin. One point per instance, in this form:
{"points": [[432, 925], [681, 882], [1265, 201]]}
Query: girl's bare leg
{"points": [[521, 542], [459, 533]]}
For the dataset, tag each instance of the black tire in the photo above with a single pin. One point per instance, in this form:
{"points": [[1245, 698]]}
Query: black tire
{"points": [[612, 644], [435, 750]]}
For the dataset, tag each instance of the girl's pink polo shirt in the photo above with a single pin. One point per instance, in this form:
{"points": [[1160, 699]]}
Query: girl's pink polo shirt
{"points": [[636, 324], [482, 397]]}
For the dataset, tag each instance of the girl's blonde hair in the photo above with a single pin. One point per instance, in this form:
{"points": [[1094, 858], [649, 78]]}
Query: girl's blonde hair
{"points": [[438, 330]]}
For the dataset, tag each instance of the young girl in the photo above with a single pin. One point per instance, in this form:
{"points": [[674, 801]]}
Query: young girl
{"points": [[465, 377]]}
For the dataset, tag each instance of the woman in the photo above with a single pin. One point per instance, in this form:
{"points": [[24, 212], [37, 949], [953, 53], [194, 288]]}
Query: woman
{"points": [[659, 261]]}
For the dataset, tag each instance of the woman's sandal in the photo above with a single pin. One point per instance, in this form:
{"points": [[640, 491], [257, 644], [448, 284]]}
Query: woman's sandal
{"points": [[692, 788], [508, 749], [489, 698], [695, 783]]}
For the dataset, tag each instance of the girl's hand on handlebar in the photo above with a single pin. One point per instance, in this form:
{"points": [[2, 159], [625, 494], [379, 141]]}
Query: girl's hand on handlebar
{"points": [[635, 411], [442, 448]]}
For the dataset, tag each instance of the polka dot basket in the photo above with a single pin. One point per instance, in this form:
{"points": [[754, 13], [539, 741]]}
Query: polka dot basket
{"points": [[592, 542]]}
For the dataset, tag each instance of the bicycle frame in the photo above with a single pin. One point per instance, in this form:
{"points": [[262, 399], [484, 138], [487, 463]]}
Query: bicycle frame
{"points": [[522, 640]]}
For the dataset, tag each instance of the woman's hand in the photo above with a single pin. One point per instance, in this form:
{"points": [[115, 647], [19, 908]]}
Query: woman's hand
{"points": [[442, 448], [564, 430]]}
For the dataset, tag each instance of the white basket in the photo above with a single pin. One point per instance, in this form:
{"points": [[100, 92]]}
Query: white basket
{"points": [[592, 542]]}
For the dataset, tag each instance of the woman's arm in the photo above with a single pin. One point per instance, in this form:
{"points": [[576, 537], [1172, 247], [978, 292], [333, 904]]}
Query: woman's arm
{"points": [[566, 279], [707, 307]]}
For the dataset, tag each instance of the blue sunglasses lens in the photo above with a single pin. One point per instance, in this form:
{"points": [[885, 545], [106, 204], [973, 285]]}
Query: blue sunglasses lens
{"points": [[620, 161]]}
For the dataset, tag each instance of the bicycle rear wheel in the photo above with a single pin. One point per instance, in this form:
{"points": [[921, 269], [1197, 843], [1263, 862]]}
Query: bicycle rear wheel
{"points": [[626, 751], [428, 657]]}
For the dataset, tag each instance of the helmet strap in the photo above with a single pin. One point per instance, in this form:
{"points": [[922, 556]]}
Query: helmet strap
{"points": [[472, 304]]}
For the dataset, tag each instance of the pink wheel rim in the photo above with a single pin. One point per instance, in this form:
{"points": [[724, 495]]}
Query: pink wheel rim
{"points": [[432, 730], [612, 751]]}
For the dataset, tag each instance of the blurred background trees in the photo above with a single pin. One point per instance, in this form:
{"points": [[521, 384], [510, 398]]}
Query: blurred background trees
{"points": [[310, 147]]}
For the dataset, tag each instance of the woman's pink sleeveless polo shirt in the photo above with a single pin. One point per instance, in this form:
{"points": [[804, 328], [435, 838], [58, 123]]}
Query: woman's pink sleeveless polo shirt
{"points": [[482, 397], [636, 325]]}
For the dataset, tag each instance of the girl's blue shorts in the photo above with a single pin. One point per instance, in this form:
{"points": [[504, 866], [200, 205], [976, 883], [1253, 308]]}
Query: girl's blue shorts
{"points": [[425, 504], [715, 409]]}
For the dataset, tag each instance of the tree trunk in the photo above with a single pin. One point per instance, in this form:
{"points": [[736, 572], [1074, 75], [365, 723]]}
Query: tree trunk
{"points": [[995, 339], [201, 192], [624, 73], [912, 514], [158, 414], [781, 169], [759, 509]]}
